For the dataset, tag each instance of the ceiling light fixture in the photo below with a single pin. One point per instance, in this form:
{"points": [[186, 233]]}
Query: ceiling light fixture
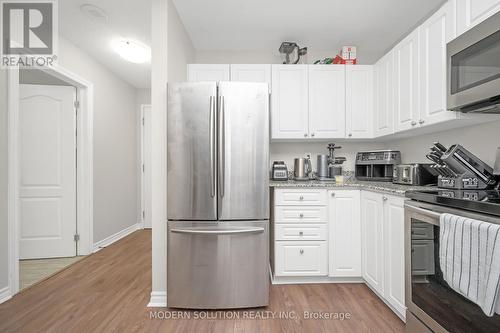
{"points": [[94, 12], [132, 51]]}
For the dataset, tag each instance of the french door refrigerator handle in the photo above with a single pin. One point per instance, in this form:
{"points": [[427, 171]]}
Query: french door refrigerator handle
{"points": [[222, 144], [218, 232], [212, 139]]}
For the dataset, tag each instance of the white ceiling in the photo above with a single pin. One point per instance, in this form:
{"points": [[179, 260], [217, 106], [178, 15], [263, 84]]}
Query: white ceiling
{"points": [[373, 26], [126, 19]]}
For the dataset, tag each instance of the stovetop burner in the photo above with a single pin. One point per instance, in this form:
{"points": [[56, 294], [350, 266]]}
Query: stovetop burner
{"points": [[482, 201]]}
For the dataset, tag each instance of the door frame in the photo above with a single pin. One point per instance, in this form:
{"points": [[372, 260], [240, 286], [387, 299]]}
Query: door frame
{"points": [[84, 165], [145, 179]]}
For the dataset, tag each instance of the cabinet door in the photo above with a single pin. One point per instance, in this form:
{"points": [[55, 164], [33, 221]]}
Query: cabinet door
{"points": [[327, 101], [289, 112], [344, 234], [438, 30], [359, 101], [251, 73], [394, 264], [472, 12], [372, 240], [384, 95], [301, 258], [208, 72], [407, 82]]}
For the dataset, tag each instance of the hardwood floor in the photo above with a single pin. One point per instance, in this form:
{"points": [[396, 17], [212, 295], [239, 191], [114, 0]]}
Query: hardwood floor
{"points": [[108, 292], [36, 270]]}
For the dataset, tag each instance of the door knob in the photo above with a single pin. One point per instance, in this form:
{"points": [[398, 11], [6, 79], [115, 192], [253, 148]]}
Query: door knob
{"points": [[301, 251]]}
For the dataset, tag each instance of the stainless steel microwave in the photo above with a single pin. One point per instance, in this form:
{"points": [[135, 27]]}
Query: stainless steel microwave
{"points": [[473, 69]]}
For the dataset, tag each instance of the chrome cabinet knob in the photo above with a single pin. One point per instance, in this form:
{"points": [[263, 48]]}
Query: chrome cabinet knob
{"points": [[413, 123], [301, 233], [301, 251], [349, 135], [312, 134], [301, 198], [333, 194], [421, 121], [305, 135], [384, 198], [301, 215]]}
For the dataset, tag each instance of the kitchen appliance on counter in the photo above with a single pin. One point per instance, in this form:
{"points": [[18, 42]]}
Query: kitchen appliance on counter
{"points": [[473, 69], [377, 165], [417, 174], [459, 169], [279, 171], [301, 168], [218, 195], [329, 166]]}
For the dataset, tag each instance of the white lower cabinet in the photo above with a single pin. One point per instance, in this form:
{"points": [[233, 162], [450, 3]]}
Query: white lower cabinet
{"points": [[344, 234], [300, 228], [382, 226], [301, 258]]}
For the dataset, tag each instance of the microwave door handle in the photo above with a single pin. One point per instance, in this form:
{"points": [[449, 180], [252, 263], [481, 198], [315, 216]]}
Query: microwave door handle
{"points": [[218, 232], [212, 125]]}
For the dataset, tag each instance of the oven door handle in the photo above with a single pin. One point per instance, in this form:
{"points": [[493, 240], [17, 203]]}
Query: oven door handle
{"points": [[424, 211]]}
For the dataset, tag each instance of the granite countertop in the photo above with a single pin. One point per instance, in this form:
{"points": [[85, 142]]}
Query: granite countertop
{"points": [[384, 187]]}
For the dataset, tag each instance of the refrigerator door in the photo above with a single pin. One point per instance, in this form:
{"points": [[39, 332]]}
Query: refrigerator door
{"points": [[191, 158], [218, 265], [243, 140]]}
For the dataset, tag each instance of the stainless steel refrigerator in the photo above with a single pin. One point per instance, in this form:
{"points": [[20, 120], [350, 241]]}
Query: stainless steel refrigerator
{"points": [[218, 195]]}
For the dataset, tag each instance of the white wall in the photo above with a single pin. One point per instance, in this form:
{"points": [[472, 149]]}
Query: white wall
{"points": [[481, 140], [4, 259], [115, 145], [256, 57], [180, 48]]}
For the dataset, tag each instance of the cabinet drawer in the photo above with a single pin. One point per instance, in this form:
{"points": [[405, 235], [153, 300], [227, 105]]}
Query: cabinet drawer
{"points": [[301, 214], [300, 197], [421, 230], [285, 232], [301, 258]]}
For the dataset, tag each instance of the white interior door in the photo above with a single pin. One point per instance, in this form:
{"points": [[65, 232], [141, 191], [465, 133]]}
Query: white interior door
{"points": [[47, 169]]}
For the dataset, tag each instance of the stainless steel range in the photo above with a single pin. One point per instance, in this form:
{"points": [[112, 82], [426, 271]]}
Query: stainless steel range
{"points": [[432, 305]]}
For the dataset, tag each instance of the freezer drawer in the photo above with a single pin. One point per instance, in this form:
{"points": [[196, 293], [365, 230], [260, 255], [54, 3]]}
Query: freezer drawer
{"points": [[218, 265]]}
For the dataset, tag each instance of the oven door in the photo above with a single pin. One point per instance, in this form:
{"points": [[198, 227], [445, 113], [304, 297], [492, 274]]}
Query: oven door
{"points": [[428, 296], [473, 68]]}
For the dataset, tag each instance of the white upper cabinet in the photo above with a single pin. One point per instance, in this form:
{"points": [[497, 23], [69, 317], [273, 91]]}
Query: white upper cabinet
{"points": [[251, 73], [472, 12], [327, 101], [208, 72], [407, 82], [344, 234], [384, 95], [359, 101], [289, 110], [438, 30]]}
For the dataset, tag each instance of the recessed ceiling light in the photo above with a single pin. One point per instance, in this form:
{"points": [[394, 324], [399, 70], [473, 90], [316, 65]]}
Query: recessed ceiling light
{"points": [[94, 12], [132, 51]]}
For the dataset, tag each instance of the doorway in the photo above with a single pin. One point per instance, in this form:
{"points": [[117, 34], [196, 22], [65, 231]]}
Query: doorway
{"points": [[145, 161], [50, 173]]}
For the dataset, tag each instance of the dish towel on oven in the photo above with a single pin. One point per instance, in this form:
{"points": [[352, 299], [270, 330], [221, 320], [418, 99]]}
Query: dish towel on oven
{"points": [[469, 257]]}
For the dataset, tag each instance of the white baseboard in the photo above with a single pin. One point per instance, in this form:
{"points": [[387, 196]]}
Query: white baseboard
{"points": [[315, 279], [113, 238], [5, 294], [158, 299]]}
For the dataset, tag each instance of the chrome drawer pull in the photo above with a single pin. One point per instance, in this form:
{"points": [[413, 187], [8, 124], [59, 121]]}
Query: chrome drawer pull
{"points": [[301, 251]]}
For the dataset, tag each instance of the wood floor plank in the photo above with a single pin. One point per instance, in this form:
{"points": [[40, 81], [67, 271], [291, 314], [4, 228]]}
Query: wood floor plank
{"points": [[109, 291]]}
